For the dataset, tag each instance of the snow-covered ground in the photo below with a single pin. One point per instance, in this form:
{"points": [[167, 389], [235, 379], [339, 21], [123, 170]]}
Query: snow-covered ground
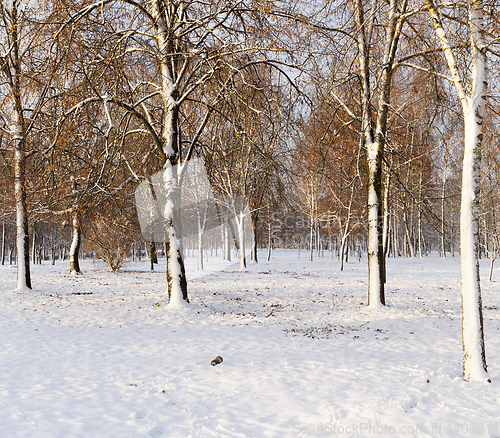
{"points": [[101, 355]]}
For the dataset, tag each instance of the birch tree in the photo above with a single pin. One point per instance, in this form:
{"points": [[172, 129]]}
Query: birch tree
{"points": [[375, 30], [183, 46], [79, 161], [334, 149], [33, 43], [473, 101], [6, 205], [374, 140], [375, 84], [13, 34], [28, 60], [229, 165]]}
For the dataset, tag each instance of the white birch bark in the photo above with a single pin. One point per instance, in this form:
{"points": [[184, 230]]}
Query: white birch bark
{"points": [[419, 224], [420, 236], [74, 265], [33, 248], [76, 228], [176, 277], [474, 363], [376, 296], [202, 221], [409, 241], [396, 237]]}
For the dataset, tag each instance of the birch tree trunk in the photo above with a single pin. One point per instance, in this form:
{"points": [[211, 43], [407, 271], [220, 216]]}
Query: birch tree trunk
{"points": [[343, 251], [255, 218], [11, 254], [3, 243], [419, 225], [420, 236], [474, 365], [24, 45], [269, 241], [153, 257], [474, 357], [311, 237], [202, 221], [74, 264], [240, 226], [395, 237], [52, 250], [344, 233], [176, 276], [443, 194], [407, 234], [227, 237], [385, 236], [223, 238], [376, 295], [22, 236], [12, 71], [372, 142], [200, 249], [33, 248]]}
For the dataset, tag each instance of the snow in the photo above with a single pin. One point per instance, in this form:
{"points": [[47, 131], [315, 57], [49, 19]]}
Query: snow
{"points": [[102, 355]]}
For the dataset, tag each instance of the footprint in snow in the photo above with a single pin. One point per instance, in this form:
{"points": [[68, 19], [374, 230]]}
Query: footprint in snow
{"points": [[143, 413], [155, 431], [169, 402]]}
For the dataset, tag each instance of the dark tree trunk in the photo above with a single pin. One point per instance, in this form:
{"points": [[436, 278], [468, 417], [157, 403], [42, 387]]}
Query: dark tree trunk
{"points": [[3, 243], [255, 218], [152, 255], [53, 253], [11, 254]]}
